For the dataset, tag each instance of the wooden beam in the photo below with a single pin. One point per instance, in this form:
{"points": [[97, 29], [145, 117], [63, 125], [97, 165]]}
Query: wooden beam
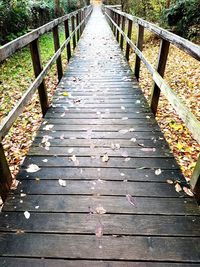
{"points": [[195, 180], [37, 66], [130, 25], [118, 23], [5, 175], [123, 28], [77, 23], [67, 34], [73, 28], [162, 60], [56, 48], [140, 38]]}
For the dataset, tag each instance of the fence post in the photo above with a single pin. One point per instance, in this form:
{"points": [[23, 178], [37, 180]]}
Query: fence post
{"points": [[37, 67], [56, 47], [162, 60], [66, 23], [5, 175], [195, 180], [77, 24], [74, 36], [130, 25], [140, 38], [123, 28], [118, 23]]}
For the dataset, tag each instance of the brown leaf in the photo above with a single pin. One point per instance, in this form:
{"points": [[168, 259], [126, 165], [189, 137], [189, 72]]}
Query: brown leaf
{"points": [[188, 191], [178, 187]]}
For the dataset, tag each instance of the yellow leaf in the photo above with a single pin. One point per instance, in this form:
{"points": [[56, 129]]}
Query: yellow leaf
{"points": [[65, 94]]}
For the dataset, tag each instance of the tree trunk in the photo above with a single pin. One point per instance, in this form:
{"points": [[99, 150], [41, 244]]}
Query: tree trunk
{"points": [[57, 8]]}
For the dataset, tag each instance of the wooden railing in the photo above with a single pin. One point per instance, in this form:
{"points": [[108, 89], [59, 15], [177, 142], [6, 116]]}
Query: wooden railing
{"points": [[118, 21], [74, 24]]}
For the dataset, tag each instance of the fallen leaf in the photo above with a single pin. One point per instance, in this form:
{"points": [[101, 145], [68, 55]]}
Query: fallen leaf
{"points": [[99, 230], [48, 127], [62, 182], [105, 158], [131, 200], [14, 185], [74, 159], [158, 172], [188, 191], [100, 210], [32, 168], [70, 150], [65, 94], [27, 215], [169, 181], [178, 187]]}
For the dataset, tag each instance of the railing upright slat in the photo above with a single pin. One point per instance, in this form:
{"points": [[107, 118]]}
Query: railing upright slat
{"points": [[140, 38], [130, 25], [37, 67], [56, 47], [162, 61], [67, 34]]}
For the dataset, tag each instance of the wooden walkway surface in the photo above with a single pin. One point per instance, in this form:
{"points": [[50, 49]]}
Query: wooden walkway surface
{"points": [[112, 205]]}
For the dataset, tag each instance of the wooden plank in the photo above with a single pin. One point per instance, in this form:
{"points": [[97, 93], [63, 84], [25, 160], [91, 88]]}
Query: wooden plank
{"points": [[130, 152], [162, 61], [112, 204], [85, 115], [80, 223], [98, 186], [103, 173], [87, 247], [103, 135], [37, 67], [26, 262], [56, 48]]}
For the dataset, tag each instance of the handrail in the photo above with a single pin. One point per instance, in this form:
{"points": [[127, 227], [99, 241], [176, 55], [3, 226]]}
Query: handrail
{"points": [[183, 44], [117, 19], [81, 16]]}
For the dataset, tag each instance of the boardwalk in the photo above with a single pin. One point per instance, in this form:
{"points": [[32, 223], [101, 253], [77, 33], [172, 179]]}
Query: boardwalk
{"points": [[100, 197]]}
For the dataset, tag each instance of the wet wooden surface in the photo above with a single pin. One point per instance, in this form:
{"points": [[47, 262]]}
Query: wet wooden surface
{"points": [[116, 207]]}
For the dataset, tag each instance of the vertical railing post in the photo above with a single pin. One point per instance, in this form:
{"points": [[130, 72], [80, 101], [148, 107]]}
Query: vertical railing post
{"points": [[37, 67], [73, 28], [162, 60], [66, 23], [140, 38], [195, 180], [56, 47], [84, 15], [130, 25], [81, 19], [77, 24], [115, 20], [5, 175], [123, 28], [118, 24]]}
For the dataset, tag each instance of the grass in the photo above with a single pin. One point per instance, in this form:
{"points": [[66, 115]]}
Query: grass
{"points": [[16, 75]]}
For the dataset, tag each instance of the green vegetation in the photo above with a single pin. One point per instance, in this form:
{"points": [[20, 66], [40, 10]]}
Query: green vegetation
{"points": [[18, 17], [179, 16]]}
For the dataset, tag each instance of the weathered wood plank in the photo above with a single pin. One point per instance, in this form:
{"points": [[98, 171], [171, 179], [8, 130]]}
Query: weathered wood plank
{"points": [[26, 262], [87, 247], [112, 204], [98, 186], [114, 174], [80, 223]]}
